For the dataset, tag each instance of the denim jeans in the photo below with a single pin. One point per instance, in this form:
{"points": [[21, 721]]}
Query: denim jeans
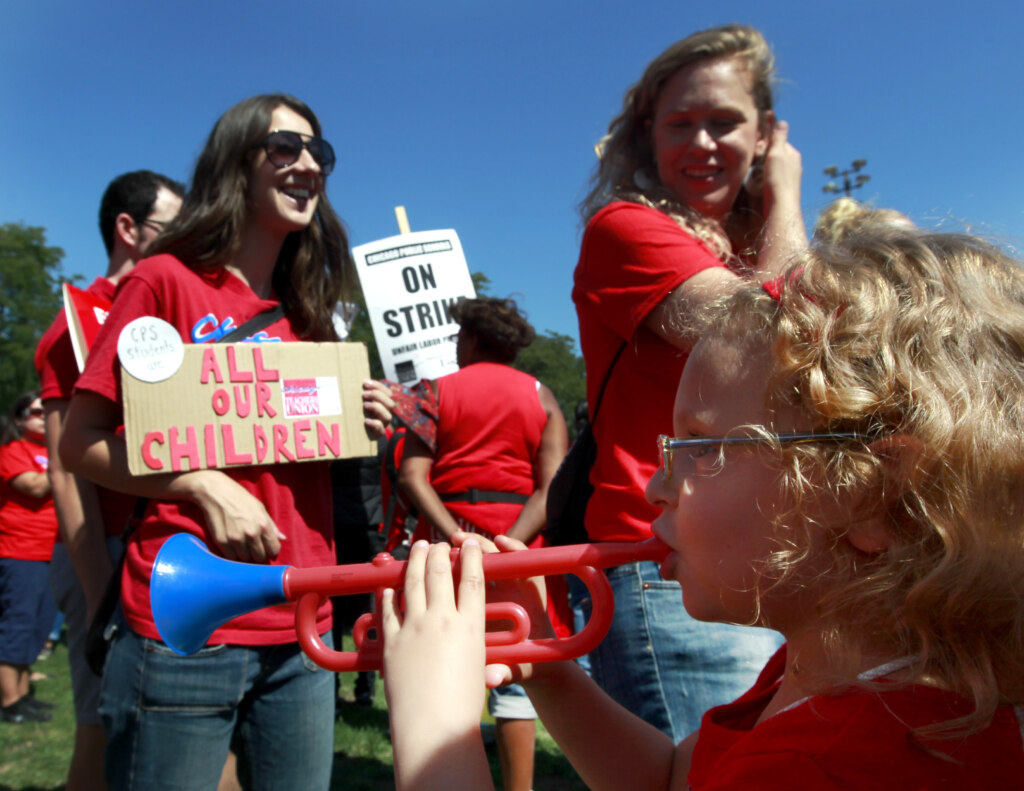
{"points": [[170, 719], [660, 663]]}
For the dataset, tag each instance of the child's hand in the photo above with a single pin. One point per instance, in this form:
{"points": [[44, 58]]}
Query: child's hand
{"points": [[434, 652], [530, 593]]}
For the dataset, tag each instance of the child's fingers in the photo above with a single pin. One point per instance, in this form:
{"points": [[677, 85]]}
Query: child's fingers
{"points": [[390, 616], [497, 675], [506, 544], [461, 537], [440, 587], [415, 594], [471, 581]]}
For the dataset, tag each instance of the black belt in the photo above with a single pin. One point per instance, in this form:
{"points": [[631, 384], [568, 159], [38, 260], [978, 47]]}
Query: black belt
{"points": [[473, 496]]}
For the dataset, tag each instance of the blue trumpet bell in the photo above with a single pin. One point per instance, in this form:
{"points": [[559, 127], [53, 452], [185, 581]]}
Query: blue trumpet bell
{"points": [[193, 592]]}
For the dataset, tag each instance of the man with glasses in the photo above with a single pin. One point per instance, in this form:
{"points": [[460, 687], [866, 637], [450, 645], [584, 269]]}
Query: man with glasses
{"points": [[134, 210]]}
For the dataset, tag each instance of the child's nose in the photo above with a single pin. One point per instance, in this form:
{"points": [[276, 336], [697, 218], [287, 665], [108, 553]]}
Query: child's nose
{"points": [[658, 493]]}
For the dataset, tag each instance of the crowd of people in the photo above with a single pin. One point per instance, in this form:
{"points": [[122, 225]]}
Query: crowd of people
{"points": [[841, 603]]}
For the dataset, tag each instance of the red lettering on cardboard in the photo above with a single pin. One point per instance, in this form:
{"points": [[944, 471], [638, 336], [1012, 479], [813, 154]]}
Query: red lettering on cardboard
{"points": [[299, 429], [210, 445], [147, 455], [243, 400], [263, 407], [234, 374], [231, 456], [221, 401], [281, 443], [183, 451], [263, 374], [210, 367], [328, 438], [262, 445]]}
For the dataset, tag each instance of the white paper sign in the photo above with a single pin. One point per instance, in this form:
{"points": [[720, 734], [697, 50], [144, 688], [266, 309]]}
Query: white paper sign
{"points": [[410, 282]]}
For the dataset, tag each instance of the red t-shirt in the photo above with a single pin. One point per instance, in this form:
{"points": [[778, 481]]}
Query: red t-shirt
{"points": [[631, 258], [58, 371], [297, 496], [28, 525], [855, 739], [489, 426]]}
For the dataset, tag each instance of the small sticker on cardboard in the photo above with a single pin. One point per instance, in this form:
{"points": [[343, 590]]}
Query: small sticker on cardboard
{"points": [[313, 397], [150, 349]]}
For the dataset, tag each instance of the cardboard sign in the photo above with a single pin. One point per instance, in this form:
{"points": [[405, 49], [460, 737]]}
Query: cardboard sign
{"points": [[244, 404], [410, 282], [85, 313]]}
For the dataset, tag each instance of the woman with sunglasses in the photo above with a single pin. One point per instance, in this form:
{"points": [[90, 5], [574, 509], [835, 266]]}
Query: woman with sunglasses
{"points": [[28, 529], [256, 229]]}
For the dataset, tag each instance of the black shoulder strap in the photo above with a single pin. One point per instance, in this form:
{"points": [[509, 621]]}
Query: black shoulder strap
{"points": [[255, 324], [604, 384]]}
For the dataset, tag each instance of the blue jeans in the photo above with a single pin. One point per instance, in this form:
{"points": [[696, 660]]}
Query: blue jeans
{"points": [[170, 719], [660, 663]]}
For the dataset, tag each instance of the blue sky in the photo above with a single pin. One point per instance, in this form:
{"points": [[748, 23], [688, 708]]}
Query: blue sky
{"points": [[481, 116]]}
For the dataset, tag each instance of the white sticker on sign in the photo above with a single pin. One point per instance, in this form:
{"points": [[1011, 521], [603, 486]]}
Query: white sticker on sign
{"points": [[150, 349]]}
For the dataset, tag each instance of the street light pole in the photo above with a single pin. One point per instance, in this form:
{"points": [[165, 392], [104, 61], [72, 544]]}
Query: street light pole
{"points": [[848, 186]]}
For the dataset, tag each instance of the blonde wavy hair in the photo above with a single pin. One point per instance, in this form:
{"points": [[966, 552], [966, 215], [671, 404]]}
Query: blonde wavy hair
{"points": [[627, 169], [919, 338], [845, 216]]}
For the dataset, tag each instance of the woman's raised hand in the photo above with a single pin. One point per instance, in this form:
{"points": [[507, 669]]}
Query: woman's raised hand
{"points": [[783, 169], [378, 406]]}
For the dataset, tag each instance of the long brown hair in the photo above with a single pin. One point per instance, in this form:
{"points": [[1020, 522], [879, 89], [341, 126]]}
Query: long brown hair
{"points": [[314, 267]]}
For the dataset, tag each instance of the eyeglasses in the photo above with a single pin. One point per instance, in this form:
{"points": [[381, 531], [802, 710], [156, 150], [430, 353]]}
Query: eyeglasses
{"points": [[156, 225], [34, 411], [285, 148], [702, 447]]}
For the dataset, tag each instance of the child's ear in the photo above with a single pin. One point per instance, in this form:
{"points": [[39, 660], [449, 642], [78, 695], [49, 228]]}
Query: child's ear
{"points": [[899, 456]]}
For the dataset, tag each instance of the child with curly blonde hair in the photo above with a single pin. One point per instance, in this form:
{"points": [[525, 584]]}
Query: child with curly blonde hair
{"points": [[848, 469]]}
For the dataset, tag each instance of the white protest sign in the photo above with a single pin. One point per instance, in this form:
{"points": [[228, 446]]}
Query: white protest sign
{"points": [[410, 283]]}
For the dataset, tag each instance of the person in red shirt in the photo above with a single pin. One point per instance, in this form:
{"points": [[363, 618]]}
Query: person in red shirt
{"points": [[256, 231], [135, 207], [697, 187], [28, 529], [500, 436], [846, 469]]}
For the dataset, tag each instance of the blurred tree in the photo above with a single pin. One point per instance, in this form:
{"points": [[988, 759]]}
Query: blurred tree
{"points": [[30, 285]]}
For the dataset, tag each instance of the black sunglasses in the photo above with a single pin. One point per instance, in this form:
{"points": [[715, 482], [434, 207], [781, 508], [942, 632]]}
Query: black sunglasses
{"points": [[284, 149], [34, 411]]}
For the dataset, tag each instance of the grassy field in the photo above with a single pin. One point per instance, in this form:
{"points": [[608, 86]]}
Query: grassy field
{"points": [[34, 757]]}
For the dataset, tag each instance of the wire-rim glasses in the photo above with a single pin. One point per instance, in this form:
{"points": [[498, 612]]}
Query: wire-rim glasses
{"points": [[284, 148], [700, 446]]}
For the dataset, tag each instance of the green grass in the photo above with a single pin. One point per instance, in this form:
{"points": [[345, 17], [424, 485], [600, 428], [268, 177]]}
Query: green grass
{"points": [[34, 757]]}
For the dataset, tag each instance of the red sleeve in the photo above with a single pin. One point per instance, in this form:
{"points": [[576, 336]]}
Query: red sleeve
{"points": [[632, 256], [55, 361], [14, 460], [102, 374]]}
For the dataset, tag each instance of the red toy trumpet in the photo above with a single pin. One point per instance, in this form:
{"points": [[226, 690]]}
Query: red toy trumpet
{"points": [[193, 592]]}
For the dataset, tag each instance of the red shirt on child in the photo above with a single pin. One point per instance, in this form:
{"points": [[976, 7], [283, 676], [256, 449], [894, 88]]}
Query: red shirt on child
{"points": [[854, 739]]}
